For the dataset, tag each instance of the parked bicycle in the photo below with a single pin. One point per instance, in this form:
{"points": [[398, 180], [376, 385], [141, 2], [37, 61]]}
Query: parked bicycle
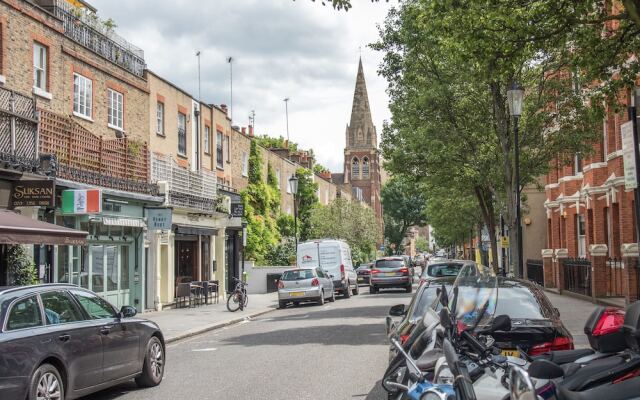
{"points": [[238, 299]]}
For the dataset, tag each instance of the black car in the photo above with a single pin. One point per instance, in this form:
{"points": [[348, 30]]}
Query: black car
{"points": [[364, 273], [536, 327], [61, 341]]}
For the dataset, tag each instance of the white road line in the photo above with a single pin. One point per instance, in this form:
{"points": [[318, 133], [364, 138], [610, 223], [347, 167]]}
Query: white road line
{"points": [[205, 349]]}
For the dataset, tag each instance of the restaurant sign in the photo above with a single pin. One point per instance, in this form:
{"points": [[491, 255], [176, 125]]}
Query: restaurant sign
{"points": [[159, 219], [237, 210], [33, 193], [82, 201]]}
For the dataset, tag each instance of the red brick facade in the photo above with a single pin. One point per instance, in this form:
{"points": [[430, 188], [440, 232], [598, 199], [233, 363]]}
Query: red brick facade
{"points": [[592, 191]]}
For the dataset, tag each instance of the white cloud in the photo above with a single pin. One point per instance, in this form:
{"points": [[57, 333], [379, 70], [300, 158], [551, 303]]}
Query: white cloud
{"points": [[281, 48]]}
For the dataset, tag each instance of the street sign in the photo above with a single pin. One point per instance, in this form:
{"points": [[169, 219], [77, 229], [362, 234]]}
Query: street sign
{"points": [[159, 219], [237, 210], [504, 242], [628, 155]]}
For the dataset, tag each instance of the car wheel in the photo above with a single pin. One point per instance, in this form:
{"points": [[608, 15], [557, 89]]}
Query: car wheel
{"points": [[373, 290], [347, 290], [409, 288], [296, 304], [356, 291], [282, 304], [46, 383], [153, 367], [321, 299], [333, 297]]}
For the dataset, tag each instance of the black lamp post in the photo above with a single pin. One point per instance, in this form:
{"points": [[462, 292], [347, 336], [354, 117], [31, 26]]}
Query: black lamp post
{"points": [[515, 97], [244, 244], [293, 185]]}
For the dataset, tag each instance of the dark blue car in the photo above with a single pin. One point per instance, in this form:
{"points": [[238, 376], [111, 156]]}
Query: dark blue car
{"points": [[62, 342]]}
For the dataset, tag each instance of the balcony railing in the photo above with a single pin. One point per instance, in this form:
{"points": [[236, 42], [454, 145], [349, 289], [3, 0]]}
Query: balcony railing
{"points": [[18, 131], [80, 156], [189, 189], [87, 29]]}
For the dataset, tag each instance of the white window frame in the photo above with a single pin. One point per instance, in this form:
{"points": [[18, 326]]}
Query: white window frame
{"points": [[581, 236], [245, 164], [207, 139], [219, 145], [182, 117], [40, 65], [82, 96], [115, 110], [160, 118]]}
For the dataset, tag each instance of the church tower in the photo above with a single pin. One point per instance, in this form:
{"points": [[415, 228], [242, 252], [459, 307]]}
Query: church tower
{"points": [[361, 156]]}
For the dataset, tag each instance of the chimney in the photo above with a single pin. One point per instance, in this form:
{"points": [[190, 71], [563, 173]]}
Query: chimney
{"points": [[224, 109], [326, 174], [251, 130], [244, 130]]}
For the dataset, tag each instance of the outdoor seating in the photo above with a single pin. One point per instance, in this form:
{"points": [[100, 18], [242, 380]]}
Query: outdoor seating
{"points": [[213, 291], [197, 290], [183, 291]]}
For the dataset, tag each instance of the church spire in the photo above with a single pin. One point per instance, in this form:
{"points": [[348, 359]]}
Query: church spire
{"points": [[361, 130]]}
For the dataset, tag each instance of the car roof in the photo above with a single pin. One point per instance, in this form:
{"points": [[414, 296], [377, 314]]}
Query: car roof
{"points": [[33, 288]]}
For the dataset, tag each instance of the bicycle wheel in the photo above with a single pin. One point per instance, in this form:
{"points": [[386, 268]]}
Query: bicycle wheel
{"points": [[246, 298], [233, 302]]}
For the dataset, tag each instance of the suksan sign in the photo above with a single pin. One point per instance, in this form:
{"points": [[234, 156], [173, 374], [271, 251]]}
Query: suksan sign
{"points": [[33, 193]]}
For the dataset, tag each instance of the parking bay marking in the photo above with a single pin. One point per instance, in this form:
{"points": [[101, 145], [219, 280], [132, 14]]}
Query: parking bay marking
{"points": [[205, 349]]}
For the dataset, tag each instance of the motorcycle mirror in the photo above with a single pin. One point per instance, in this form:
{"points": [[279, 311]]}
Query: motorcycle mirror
{"points": [[501, 323], [444, 297], [445, 318], [545, 369], [521, 385], [451, 356], [397, 310]]}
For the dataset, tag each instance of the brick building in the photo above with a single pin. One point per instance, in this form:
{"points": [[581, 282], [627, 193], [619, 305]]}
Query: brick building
{"points": [[592, 246]]}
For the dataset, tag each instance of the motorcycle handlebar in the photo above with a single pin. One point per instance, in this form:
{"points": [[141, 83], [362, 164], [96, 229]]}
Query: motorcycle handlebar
{"points": [[474, 343]]}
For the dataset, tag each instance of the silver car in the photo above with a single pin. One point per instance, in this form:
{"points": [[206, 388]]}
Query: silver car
{"points": [[305, 284]]}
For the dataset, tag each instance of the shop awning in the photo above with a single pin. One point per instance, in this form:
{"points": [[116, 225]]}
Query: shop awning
{"points": [[123, 221], [18, 229], [194, 230]]}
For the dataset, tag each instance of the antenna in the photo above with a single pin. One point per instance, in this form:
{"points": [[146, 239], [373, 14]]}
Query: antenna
{"points": [[230, 61]]}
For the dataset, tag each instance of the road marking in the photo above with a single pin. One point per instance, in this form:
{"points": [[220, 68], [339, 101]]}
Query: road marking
{"points": [[206, 349]]}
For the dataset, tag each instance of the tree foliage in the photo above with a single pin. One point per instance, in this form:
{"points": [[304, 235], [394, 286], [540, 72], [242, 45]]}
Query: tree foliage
{"points": [[404, 204], [280, 142], [307, 200], [22, 270], [348, 221]]}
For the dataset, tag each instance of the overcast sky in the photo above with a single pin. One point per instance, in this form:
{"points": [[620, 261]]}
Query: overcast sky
{"points": [[281, 48]]}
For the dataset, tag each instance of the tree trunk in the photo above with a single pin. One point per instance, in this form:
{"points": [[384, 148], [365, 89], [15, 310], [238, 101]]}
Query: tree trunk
{"points": [[485, 202]]}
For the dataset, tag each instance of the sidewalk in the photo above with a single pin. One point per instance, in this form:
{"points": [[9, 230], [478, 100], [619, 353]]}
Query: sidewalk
{"points": [[180, 323], [573, 313]]}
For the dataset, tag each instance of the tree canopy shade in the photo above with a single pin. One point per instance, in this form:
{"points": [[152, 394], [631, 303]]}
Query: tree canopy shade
{"points": [[404, 204]]}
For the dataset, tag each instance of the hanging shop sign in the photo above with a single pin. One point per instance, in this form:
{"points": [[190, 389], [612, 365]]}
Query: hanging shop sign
{"points": [[504, 242], [237, 210], [628, 155], [33, 193], [82, 201], [159, 219]]}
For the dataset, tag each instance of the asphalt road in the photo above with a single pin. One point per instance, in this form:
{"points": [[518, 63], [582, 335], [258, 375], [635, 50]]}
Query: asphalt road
{"points": [[337, 351]]}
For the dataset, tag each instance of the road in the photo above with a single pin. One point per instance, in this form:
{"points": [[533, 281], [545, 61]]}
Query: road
{"points": [[337, 351]]}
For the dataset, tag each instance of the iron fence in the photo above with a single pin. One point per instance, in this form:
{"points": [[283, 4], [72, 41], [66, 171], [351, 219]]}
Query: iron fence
{"points": [[535, 271], [18, 131], [615, 277], [577, 275]]}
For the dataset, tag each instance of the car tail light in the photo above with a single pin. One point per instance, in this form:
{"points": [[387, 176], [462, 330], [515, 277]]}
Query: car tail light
{"points": [[559, 343], [404, 270], [611, 321], [280, 285], [342, 271], [628, 375], [315, 282], [375, 271], [403, 338]]}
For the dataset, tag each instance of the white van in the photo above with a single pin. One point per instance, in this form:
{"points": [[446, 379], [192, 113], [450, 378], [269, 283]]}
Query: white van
{"points": [[333, 257]]}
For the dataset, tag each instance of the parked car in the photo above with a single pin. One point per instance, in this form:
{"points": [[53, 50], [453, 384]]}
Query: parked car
{"points": [[364, 273], [334, 258], [60, 341], [304, 284], [536, 327], [390, 272], [442, 268]]}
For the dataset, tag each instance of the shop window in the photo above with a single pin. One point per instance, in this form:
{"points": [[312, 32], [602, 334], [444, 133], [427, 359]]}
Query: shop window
{"points": [[124, 267]]}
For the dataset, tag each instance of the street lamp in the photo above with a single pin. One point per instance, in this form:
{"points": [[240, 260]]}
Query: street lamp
{"points": [[244, 244], [293, 185], [515, 96]]}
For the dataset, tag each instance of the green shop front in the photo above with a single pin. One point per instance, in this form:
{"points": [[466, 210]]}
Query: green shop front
{"points": [[113, 261]]}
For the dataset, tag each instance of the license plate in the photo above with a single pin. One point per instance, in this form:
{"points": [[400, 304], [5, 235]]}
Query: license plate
{"points": [[388, 274], [360, 279], [510, 353], [296, 294]]}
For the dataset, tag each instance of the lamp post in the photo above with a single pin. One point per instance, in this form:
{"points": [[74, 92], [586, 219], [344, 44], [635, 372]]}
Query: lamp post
{"points": [[515, 96], [244, 244], [286, 112], [293, 185]]}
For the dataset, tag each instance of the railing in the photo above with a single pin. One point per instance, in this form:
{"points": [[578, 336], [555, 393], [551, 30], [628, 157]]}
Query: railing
{"points": [[189, 189], [85, 28], [81, 156], [577, 275], [615, 277], [18, 131], [535, 271]]}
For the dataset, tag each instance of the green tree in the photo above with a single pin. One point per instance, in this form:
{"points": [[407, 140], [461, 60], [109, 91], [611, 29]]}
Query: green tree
{"points": [[280, 142], [319, 168], [348, 221], [307, 200], [22, 270], [422, 244], [404, 205]]}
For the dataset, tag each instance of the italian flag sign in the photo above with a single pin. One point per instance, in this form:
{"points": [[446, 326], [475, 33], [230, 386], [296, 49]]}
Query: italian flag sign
{"points": [[84, 201]]}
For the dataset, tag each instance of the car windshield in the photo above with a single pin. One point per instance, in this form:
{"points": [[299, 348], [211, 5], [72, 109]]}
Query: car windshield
{"points": [[475, 304], [521, 303], [297, 275], [389, 264], [444, 269], [428, 298]]}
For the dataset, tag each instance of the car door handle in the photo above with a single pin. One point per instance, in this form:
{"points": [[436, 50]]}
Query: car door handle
{"points": [[64, 338], [105, 330]]}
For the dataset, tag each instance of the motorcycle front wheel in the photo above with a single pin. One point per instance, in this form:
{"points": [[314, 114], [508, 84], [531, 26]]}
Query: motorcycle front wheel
{"points": [[233, 302]]}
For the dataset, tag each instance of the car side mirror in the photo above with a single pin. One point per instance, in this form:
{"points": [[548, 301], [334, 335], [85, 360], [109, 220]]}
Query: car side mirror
{"points": [[128, 312], [545, 369], [501, 323], [397, 310]]}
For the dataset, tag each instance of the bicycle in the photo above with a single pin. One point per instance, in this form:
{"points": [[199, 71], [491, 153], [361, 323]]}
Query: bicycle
{"points": [[238, 299]]}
